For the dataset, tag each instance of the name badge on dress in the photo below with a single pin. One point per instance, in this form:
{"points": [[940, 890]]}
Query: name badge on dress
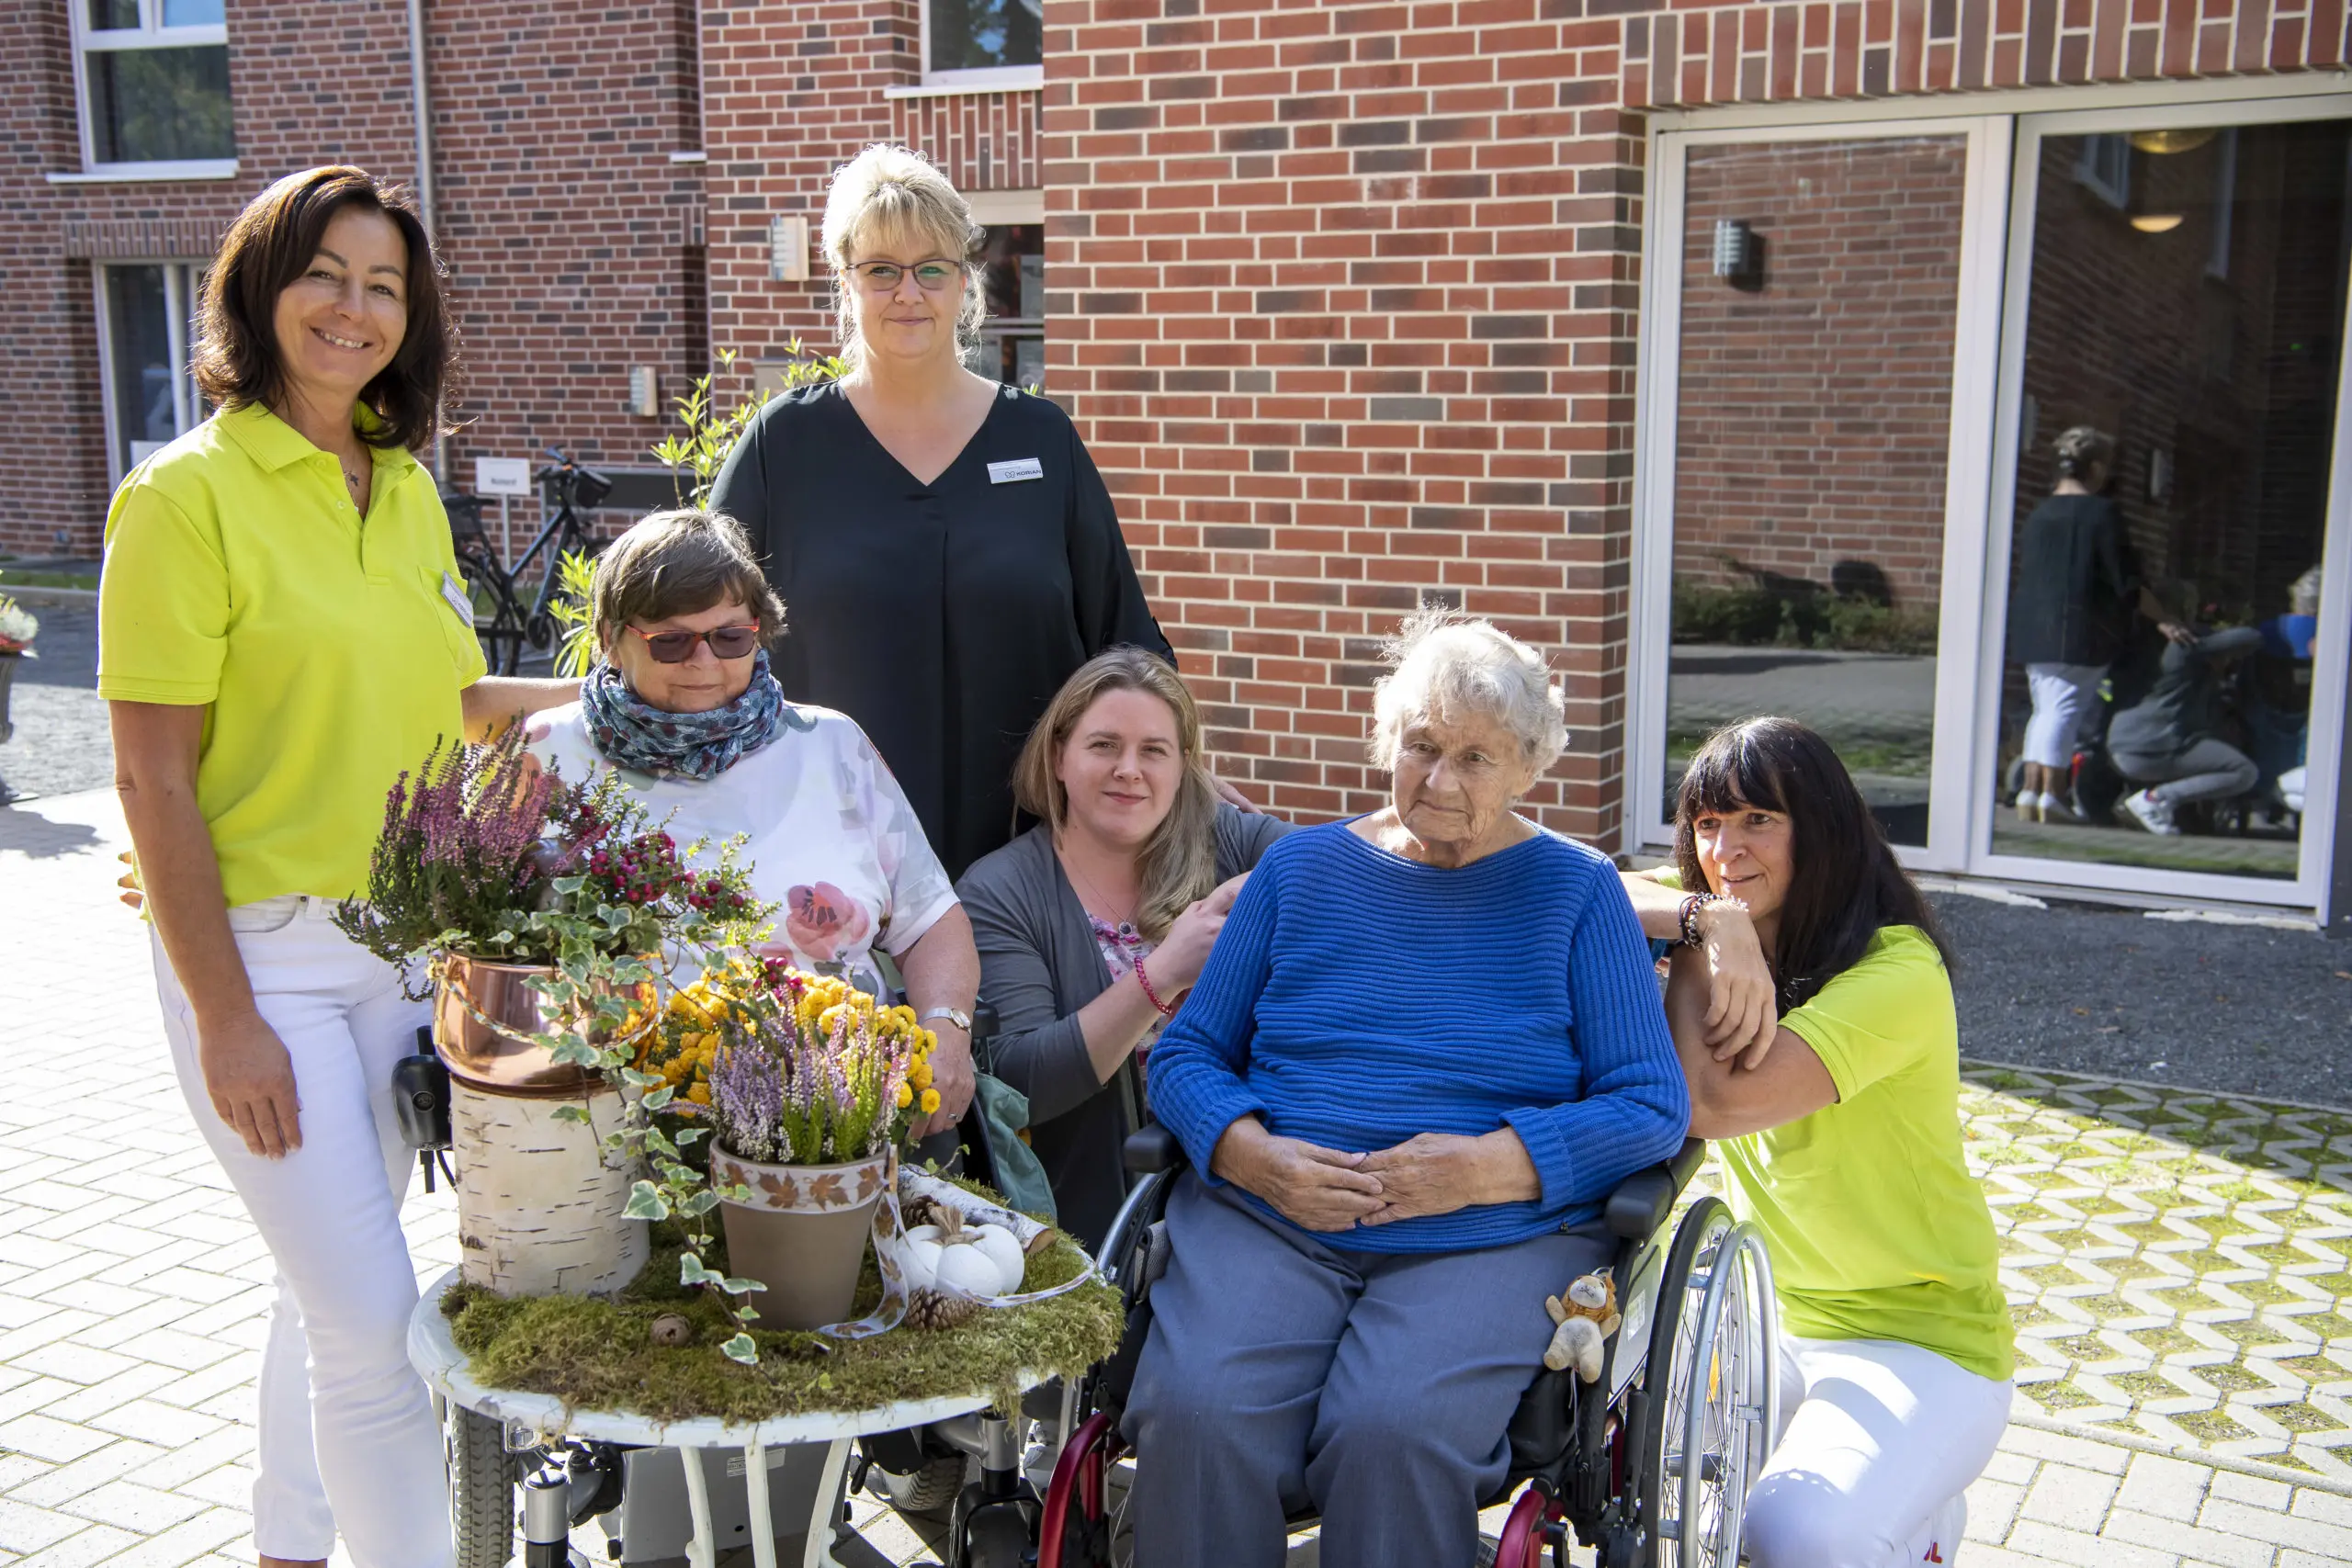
{"points": [[1015, 472], [456, 597]]}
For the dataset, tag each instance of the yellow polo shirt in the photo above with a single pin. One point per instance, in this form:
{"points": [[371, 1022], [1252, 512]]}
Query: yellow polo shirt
{"points": [[329, 651]]}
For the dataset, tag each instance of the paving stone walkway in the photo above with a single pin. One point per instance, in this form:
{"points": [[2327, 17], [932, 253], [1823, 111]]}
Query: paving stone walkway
{"points": [[133, 1291]]}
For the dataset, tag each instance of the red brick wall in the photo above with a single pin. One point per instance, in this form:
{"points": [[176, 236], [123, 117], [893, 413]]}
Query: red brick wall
{"points": [[1816, 405]]}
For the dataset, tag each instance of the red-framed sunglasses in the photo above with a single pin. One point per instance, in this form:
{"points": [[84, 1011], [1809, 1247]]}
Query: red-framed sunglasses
{"points": [[726, 642]]}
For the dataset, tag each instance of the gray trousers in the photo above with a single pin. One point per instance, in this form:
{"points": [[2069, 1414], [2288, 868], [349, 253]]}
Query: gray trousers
{"points": [[2203, 769], [1282, 1370]]}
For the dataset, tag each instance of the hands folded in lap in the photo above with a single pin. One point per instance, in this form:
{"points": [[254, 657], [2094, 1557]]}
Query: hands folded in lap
{"points": [[1327, 1190]]}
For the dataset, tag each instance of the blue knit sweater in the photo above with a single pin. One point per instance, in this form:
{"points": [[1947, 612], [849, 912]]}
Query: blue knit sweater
{"points": [[1355, 998]]}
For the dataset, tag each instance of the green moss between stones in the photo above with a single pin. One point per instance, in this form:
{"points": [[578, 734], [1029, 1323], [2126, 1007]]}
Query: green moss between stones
{"points": [[599, 1355]]}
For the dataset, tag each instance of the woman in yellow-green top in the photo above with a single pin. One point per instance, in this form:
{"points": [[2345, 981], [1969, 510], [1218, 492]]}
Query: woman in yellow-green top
{"points": [[282, 631], [1811, 1008]]}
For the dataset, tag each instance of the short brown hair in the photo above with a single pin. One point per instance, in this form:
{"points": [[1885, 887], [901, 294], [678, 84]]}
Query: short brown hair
{"points": [[679, 563], [265, 250]]}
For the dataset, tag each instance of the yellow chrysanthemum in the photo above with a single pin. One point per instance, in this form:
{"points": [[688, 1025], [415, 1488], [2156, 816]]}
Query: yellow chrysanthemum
{"points": [[906, 1096], [699, 1094], [919, 1075], [930, 1101]]}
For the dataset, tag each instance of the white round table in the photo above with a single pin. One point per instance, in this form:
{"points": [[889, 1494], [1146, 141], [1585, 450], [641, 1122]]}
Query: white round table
{"points": [[434, 1352]]}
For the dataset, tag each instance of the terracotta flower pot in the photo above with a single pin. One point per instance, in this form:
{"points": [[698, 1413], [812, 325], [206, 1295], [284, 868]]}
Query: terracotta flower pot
{"points": [[484, 1015], [802, 1234]]}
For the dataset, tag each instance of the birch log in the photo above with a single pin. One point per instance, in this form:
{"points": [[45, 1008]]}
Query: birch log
{"points": [[539, 1212]]}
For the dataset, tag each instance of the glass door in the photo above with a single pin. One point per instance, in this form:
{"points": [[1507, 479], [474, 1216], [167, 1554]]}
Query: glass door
{"points": [[1818, 368], [2162, 666]]}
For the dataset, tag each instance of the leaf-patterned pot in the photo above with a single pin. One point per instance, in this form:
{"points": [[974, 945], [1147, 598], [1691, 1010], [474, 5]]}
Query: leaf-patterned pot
{"points": [[802, 1232]]}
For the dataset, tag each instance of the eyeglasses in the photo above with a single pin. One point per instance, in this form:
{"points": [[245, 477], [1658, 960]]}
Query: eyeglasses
{"points": [[676, 648], [882, 277]]}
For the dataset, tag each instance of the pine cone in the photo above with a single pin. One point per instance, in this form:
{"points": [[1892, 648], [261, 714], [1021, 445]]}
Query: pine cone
{"points": [[934, 1309]]}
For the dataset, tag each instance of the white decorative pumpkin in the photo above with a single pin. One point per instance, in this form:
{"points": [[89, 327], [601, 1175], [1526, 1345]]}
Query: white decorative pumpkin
{"points": [[1003, 1249], [965, 1268], [921, 1256]]}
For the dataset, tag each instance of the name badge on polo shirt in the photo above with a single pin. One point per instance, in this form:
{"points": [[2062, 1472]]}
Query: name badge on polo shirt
{"points": [[1015, 472], [456, 598]]}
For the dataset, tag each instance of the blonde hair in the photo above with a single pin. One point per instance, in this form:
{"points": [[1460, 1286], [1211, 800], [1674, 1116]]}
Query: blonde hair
{"points": [[1178, 863], [1442, 663], [680, 563], [897, 193]]}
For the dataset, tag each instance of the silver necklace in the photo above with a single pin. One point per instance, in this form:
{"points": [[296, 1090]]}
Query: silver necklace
{"points": [[1093, 891]]}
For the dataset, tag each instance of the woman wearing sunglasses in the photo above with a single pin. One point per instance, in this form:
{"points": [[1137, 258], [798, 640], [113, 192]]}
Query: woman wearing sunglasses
{"points": [[682, 703], [948, 550]]}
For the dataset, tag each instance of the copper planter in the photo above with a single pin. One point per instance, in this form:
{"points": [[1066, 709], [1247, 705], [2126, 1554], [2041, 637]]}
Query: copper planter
{"points": [[484, 1017]]}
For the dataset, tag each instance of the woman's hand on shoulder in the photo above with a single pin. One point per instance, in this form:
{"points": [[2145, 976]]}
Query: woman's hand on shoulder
{"points": [[1226, 792], [1742, 1016], [1314, 1187], [1181, 956], [1436, 1173]]}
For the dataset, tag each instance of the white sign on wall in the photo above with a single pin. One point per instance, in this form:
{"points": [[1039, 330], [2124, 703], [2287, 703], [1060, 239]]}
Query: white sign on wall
{"points": [[502, 476]]}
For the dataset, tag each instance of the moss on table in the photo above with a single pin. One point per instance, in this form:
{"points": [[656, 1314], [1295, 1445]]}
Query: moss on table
{"points": [[600, 1355]]}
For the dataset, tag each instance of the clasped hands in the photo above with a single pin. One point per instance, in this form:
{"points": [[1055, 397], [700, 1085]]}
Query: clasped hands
{"points": [[1331, 1189]]}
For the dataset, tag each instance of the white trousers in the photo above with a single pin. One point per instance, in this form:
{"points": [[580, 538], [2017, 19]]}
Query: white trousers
{"points": [[2062, 696], [349, 1439], [1878, 1442]]}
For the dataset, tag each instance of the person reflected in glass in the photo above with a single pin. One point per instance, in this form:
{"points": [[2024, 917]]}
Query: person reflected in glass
{"points": [[2172, 741], [2278, 697], [2070, 615]]}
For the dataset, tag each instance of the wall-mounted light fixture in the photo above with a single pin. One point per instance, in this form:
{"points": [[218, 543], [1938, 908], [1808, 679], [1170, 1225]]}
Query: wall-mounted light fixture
{"points": [[1735, 248], [644, 391], [788, 250]]}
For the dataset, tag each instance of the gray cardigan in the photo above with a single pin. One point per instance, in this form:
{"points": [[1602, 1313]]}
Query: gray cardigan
{"points": [[1038, 965]]}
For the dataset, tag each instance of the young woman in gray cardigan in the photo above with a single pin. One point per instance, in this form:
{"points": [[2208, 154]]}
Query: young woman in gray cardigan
{"points": [[1092, 925]]}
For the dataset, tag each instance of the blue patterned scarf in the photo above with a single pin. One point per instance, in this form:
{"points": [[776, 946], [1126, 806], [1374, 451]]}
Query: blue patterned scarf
{"points": [[634, 734]]}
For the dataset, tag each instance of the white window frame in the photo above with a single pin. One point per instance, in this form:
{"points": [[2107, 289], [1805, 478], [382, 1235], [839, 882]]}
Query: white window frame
{"points": [[1657, 390], [2112, 185], [2323, 745], [181, 275], [2031, 114], [150, 34], [980, 79]]}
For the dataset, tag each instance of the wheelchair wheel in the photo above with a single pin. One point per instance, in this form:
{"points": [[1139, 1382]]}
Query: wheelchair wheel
{"points": [[927, 1493], [482, 1490], [1712, 1400]]}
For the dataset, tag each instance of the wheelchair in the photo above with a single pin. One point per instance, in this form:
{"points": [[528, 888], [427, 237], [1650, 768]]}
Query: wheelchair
{"points": [[1650, 1466]]}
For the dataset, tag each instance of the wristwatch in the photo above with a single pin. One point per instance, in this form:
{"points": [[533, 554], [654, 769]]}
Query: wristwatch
{"points": [[956, 1016]]}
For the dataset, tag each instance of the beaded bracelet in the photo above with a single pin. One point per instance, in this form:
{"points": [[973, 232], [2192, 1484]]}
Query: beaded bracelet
{"points": [[1696, 902], [1150, 995]]}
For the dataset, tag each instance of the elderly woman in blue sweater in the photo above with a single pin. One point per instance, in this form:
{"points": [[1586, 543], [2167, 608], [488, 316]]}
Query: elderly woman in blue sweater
{"points": [[1426, 1045]]}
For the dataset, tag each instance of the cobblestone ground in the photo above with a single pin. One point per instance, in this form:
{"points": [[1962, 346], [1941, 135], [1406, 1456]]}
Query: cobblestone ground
{"points": [[132, 1291]]}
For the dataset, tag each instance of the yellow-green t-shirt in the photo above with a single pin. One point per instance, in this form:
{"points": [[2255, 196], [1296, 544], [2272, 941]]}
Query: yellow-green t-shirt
{"points": [[329, 651], [1876, 1229]]}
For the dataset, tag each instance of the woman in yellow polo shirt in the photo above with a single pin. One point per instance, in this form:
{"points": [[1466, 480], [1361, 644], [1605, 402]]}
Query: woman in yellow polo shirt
{"points": [[1834, 1087], [282, 631]]}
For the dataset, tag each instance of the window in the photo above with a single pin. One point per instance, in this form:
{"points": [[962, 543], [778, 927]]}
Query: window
{"points": [[983, 43], [2105, 169], [153, 78], [1012, 338], [146, 327]]}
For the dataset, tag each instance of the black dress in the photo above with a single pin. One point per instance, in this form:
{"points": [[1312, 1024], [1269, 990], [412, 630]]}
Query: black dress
{"points": [[941, 617], [2076, 585]]}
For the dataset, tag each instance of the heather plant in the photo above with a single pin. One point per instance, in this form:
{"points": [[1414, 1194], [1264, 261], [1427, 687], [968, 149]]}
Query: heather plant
{"points": [[819, 1076]]}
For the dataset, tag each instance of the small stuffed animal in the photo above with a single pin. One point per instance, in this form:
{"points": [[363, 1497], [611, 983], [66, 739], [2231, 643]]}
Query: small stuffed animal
{"points": [[1587, 1317]]}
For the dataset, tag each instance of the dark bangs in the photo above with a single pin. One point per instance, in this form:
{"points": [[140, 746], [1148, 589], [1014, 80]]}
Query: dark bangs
{"points": [[1845, 883]]}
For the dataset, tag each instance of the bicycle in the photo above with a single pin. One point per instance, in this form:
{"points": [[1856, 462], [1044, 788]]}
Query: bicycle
{"points": [[571, 489]]}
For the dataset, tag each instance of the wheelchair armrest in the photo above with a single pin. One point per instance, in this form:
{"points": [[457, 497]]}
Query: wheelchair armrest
{"points": [[1640, 1202], [1153, 1149]]}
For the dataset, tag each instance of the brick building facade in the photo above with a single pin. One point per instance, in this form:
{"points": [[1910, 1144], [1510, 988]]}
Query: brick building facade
{"points": [[1346, 297]]}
